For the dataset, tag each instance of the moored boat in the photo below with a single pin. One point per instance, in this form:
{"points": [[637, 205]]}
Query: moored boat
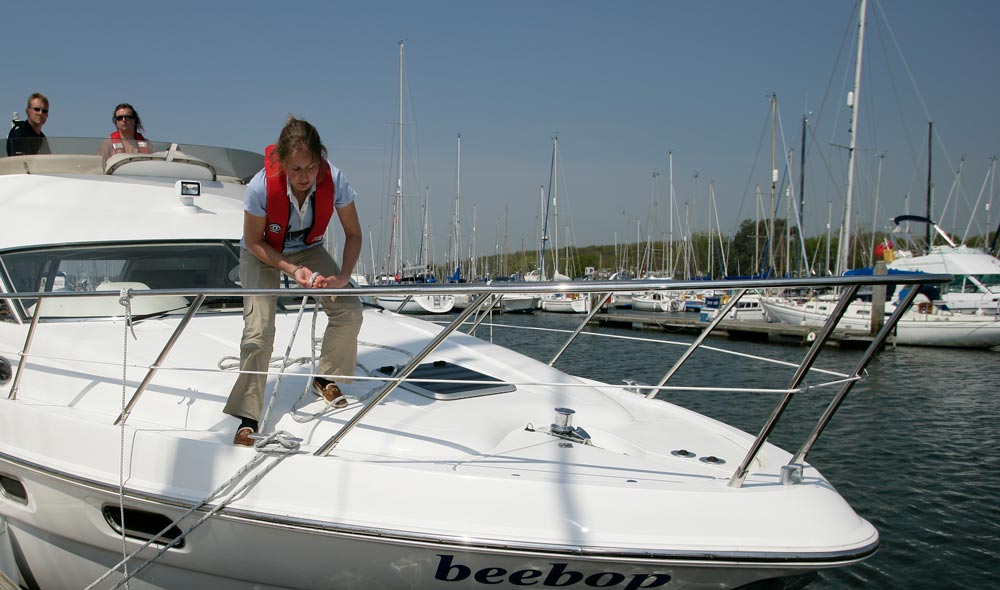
{"points": [[457, 463], [927, 324]]}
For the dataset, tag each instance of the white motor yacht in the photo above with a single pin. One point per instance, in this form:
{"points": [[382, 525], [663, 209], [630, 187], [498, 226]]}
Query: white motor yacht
{"points": [[457, 464]]}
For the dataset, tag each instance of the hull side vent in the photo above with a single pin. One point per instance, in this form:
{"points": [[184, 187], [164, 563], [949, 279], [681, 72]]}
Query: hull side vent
{"points": [[142, 525]]}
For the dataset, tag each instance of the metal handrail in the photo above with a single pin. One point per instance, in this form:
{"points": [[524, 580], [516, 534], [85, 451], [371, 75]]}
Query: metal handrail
{"points": [[866, 358], [593, 311], [526, 287], [24, 351], [697, 343], [193, 309], [811, 355], [485, 291]]}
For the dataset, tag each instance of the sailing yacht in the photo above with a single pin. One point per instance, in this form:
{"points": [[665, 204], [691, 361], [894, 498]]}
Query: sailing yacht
{"points": [[561, 302], [403, 303]]}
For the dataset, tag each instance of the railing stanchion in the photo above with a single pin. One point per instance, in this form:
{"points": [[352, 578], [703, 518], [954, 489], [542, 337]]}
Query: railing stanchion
{"points": [[866, 358], [593, 311], [697, 343], [797, 379], [192, 309], [24, 352], [403, 374]]}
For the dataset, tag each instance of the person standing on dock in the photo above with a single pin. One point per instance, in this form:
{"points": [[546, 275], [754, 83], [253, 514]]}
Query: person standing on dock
{"points": [[287, 207]]}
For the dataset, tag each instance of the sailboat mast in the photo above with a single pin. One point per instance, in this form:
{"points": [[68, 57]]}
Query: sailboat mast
{"points": [[774, 180], [456, 244], [930, 187], [555, 202], [399, 175], [670, 172], [425, 238], [545, 231], [802, 191], [844, 247]]}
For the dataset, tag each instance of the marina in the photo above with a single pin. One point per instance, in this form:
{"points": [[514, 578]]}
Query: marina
{"points": [[693, 323], [610, 377]]}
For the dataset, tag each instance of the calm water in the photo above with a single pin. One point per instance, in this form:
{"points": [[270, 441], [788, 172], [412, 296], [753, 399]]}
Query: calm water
{"points": [[914, 448]]}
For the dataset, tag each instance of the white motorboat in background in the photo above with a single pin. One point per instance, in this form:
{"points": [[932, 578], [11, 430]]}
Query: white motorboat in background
{"points": [[926, 324], [663, 301], [566, 303], [458, 463], [515, 302], [975, 288], [748, 308], [419, 304]]}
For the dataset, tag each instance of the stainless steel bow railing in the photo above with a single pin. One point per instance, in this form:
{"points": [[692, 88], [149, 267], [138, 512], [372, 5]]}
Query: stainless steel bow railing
{"points": [[489, 294]]}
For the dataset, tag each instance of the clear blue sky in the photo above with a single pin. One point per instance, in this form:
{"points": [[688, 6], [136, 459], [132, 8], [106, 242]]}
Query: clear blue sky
{"points": [[621, 83]]}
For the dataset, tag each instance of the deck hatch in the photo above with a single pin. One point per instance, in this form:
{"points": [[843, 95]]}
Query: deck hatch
{"points": [[446, 371]]}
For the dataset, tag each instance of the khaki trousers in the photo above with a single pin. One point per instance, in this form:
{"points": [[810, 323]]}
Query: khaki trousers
{"points": [[339, 353]]}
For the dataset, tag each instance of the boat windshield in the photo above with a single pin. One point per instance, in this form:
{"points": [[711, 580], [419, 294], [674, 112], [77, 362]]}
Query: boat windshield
{"points": [[970, 283], [991, 281], [82, 268], [94, 155]]}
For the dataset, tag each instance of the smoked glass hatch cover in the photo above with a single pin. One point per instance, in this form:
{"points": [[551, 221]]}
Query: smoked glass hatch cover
{"points": [[445, 371]]}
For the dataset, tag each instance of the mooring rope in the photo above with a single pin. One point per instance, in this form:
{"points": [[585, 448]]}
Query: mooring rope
{"points": [[125, 299], [278, 445]]}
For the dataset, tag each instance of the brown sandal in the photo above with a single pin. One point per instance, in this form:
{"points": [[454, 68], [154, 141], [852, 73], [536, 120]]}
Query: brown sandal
{"points": [[242, 437], [329, 391]]}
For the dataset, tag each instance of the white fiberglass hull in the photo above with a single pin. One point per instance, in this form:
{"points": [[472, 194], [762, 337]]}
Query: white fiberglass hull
{"points": [[519, 303], [914, 328], [574, 303], [433, 493], [660, 302], [418, 304]]}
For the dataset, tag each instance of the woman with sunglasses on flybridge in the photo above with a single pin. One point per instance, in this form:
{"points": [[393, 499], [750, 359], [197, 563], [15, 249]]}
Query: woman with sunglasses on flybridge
{"points": [[127, 138]]}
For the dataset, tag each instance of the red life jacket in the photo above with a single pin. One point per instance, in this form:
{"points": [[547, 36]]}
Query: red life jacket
{"points": [[118, 145], [279, 208]]}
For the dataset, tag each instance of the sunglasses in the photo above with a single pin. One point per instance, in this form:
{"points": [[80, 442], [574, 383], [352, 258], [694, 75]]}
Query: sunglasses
{"points": [[40, 110], [124, 117]]}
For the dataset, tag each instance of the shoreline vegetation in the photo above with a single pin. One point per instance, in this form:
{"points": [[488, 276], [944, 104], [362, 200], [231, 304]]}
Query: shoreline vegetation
{"points": [[701, 256]]}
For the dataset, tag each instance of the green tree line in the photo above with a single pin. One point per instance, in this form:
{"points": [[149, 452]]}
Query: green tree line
{"points": [[747, 253]]}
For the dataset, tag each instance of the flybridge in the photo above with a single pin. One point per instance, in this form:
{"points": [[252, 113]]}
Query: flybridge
{"points": [[82, 155]]}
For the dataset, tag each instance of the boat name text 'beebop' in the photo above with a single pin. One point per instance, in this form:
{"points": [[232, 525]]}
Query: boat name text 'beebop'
{"points": [[558, 576]]}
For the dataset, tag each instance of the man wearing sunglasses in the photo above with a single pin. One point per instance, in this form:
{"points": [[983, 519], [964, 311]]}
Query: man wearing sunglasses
{"points": [[26, 137]]}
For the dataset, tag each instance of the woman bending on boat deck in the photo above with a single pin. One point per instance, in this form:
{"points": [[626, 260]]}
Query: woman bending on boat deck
{"points": [[127, 138], [287, 208]]}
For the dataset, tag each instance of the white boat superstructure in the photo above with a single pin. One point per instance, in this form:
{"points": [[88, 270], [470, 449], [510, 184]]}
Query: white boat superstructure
{"points": [[748, 308], [458, 463], [976, 287]]}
